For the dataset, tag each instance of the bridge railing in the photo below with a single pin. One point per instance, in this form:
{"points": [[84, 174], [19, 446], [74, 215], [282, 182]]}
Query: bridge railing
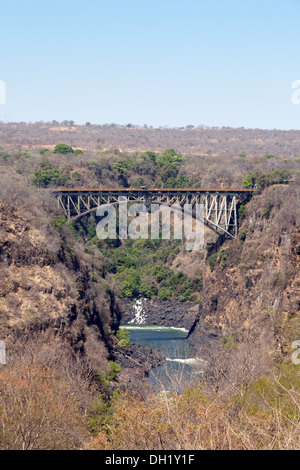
{"points": [[154, 190]]}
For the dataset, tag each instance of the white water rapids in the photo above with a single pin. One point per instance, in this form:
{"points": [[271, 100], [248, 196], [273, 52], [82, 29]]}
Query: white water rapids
{"points": [[171, 341]]}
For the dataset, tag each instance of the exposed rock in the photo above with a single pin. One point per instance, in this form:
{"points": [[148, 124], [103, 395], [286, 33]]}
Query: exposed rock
{"points": [[139, 356], [254, 287], [45, 286], [136, 362], [163, 313]]}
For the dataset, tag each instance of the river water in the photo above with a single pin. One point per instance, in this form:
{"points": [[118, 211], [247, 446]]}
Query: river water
{"points": [[182, 366]]}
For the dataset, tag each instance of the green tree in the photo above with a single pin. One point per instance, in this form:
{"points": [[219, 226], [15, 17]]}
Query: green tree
{"points": [[169, 156], [164, 294], [248, 180], [130, 286], [48, 175], [122, 167], [63, 149], [181, 181], [169, 171], [148, 155]]}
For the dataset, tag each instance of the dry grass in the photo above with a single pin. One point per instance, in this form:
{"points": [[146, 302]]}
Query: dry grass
{"points": [[266, 416]]}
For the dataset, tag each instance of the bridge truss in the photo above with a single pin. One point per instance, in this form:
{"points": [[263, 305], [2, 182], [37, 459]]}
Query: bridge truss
{"points": [[220, 205]]}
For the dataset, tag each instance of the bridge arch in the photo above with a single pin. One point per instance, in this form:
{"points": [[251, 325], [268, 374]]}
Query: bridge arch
{"points": [[220, 206]]}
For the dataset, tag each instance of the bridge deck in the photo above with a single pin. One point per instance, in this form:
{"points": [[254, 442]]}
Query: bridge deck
{"points": [[154, 190]]}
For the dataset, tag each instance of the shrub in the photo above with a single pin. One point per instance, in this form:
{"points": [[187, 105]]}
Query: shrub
{"points": [[187, 296], [197, 281], [242, 211], [269, 155], [57, 223], [242, 236], [123, 336], [115, 368], [37, 410], [263, 179], [63, 149], [263, 414], [164, 294], [212, 261], [230, 340]]}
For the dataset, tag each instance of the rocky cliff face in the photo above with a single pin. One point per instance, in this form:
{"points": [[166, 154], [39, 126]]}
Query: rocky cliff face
{"points": [[163, 313], [46, 286], [53, 297], [252, 284]]}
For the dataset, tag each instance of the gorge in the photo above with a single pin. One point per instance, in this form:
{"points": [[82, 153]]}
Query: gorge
{"points": [[225, 316]]}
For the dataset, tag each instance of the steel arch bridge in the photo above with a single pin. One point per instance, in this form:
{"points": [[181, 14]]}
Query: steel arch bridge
{"points": [[220, 205]]}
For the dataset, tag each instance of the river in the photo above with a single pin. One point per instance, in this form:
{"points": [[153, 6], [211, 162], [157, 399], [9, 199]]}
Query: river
{"points": [[182, 365]]}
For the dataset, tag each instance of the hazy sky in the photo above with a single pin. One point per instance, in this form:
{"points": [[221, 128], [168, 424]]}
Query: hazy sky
{"points": [[158, 62]]}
